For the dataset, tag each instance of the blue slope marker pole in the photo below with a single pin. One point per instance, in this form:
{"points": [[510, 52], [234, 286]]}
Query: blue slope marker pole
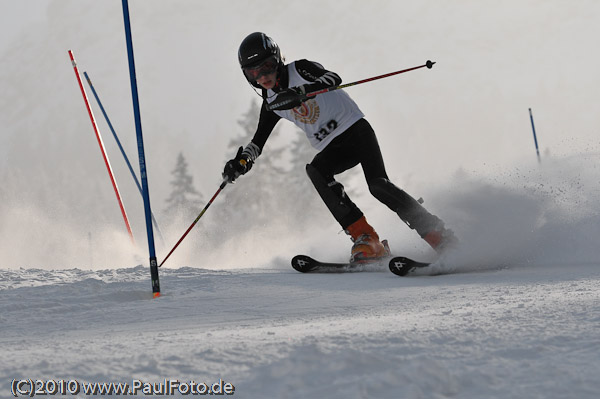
{"points": [[140, 141], [537, 150], [137, 183]]}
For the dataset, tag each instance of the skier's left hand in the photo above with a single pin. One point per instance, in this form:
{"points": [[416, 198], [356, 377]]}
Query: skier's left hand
{"points": [[289, 98]]}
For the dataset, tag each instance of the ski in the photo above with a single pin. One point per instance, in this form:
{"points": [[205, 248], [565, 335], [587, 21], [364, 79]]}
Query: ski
{"points": [[399, 265], [403, 266], [306, 264]]}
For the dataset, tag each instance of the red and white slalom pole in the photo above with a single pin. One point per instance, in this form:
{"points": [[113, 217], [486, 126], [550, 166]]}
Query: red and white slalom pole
{"points": [[101, 144]]}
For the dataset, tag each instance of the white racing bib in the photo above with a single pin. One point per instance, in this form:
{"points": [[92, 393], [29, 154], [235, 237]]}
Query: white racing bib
{"points": [[323, 117]]}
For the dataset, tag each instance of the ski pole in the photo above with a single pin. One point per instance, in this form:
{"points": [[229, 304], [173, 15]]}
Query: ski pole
{"points": [[221, 187], [276, 105]]}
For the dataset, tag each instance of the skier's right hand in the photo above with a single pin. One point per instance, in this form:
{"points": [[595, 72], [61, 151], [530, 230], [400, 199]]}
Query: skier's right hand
{"points": [[237, 166], [288, 99]]}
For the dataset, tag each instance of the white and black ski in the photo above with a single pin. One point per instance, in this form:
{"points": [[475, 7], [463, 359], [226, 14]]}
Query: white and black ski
{"points": [[403, 266], [306, 264], [399, 265]]}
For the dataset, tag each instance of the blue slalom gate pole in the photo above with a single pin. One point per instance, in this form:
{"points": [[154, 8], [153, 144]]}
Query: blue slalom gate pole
{"points": [[137, 183], [537, 150], [142, 157]]}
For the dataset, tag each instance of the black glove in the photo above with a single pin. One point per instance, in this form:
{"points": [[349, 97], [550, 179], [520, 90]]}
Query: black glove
{"points": [[288, 99], [237, 166]]}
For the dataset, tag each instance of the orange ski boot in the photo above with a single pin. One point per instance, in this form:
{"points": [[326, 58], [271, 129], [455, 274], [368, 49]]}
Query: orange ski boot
{"points": [[366, 246], [441, 239]]}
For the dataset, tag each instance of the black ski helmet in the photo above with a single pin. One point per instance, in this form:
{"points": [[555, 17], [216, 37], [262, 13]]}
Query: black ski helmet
{"points": [[256, 48]]}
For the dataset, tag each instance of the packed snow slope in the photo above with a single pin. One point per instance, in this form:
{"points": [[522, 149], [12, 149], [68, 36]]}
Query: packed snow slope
{"points": [[522, 331], [516, 314]]}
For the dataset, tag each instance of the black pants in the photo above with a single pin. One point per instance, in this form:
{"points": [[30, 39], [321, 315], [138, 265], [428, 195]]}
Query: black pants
{"points": [[358, 145]]}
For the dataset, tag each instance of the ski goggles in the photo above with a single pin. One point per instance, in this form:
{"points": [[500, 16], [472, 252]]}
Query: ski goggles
{"points": [[266, 67]]}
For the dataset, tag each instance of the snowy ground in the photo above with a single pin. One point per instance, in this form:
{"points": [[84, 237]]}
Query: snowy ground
{"points": [[523, 331], [518, 317]]}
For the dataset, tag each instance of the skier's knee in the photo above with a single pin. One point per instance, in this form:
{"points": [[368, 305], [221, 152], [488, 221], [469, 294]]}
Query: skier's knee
{"points": [[317, 179], [333, 195], [314, 175], [376, 186], [382, 189], [324, 185], [395, 198]]}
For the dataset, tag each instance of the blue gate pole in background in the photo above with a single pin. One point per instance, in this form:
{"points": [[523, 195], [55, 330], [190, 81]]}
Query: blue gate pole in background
{"points": [[112, 129], [537, 150]]}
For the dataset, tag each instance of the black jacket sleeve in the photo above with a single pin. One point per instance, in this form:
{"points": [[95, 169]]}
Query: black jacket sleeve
{"points": [[314, 72], [266, 124]]}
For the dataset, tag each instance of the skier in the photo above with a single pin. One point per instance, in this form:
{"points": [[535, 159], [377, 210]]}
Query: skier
{"points": [[336, 127]]}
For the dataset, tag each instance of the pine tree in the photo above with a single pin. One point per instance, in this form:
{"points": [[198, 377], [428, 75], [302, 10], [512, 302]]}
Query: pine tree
{"points": [[255, 198], [184, 200]]}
